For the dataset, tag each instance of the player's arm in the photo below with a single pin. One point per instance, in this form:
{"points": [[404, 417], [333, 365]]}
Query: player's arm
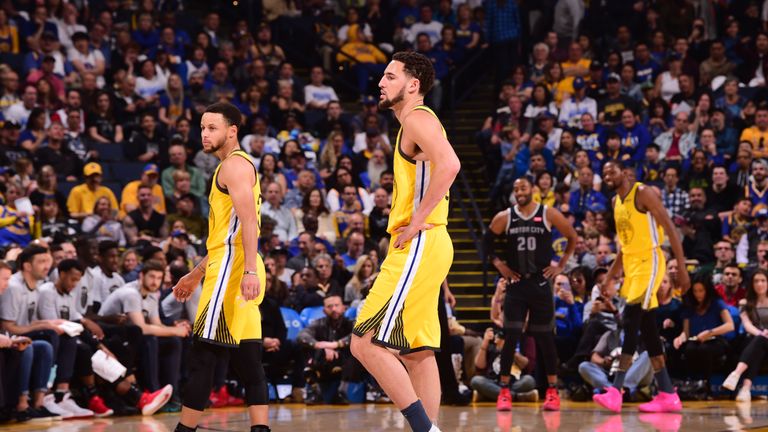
{"points": [[239, 177], [651, 203], [497, 227], [566, 229], [187, 284], [425, 130]]}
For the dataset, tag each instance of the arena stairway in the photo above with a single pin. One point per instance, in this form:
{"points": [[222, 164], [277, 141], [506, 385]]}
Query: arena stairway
{"points": [[466, 274]]}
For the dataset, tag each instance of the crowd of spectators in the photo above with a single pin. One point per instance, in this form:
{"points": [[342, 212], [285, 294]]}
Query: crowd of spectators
{"points": [[679, 97], [103, 189]]}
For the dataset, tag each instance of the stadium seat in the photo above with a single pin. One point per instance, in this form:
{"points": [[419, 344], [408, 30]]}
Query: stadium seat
{"points": [[110, 152], [115, 187], [126, 171], [292, 321], [351, 313], [310, 314]]}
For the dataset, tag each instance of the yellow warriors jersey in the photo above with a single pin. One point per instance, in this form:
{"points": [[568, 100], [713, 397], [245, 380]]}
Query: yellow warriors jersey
{"points": [[223, 317], [639, 232], [411, 183]]}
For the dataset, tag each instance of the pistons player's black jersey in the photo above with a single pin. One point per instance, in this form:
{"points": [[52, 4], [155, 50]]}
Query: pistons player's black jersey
{"points": [[529, 241]]}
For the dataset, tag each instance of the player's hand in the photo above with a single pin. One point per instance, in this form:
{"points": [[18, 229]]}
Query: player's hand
{"points": [[5, 341], [406, 233], [488, 336], [552, 271], [250, 287], [683, 278], [184, 288], [509, 274], [271, 344]]}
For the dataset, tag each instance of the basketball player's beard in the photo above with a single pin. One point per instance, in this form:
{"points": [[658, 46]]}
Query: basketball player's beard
{"points": [[389, 103], [215, 148], [525, 201]]}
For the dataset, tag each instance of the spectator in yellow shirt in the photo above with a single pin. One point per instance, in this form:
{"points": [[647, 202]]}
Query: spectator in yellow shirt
{"points": [[82, 198], [129, 198], [576, 65], [366, 59], [757, 135]]}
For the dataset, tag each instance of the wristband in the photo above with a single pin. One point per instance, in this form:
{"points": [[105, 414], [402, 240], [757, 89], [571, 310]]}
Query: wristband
{"points": [[249, 272]]}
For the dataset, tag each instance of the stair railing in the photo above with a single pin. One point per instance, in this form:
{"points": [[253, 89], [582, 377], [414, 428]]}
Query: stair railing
{"points": [[462, 82]]}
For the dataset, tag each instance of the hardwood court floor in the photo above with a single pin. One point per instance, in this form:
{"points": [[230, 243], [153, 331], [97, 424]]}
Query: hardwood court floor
{"points": [[697, 417]]}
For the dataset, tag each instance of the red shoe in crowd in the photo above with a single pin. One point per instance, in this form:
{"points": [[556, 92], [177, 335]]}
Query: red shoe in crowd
{"points": [[216, 399], [551, 400], [228, 399], [504, 401], [99, 408], [151, 402]]}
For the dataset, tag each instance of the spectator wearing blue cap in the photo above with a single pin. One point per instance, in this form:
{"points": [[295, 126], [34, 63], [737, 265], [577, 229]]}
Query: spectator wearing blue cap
{"points": [[577, 105]]}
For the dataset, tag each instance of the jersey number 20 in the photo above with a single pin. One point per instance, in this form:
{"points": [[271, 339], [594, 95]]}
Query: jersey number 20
{"points": [[522, 242]]}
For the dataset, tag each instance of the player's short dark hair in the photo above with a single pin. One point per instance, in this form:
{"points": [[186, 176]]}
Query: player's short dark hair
{"points": [[107, 245], [152, 265], [418, 66], [525, 179], [619, 164], [231, 113], [28, 254], [69, 264]]}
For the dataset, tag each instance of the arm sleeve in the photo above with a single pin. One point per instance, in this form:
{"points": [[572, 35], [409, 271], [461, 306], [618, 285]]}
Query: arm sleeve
{"points": [[307, 336]]}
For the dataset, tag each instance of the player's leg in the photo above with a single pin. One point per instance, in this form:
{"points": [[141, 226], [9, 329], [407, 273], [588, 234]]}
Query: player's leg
{"points": [[541, 325], [246, 361], [422, 369], [632, 317], [201, 362], [666, 400], [386, 368], [515, 311]]}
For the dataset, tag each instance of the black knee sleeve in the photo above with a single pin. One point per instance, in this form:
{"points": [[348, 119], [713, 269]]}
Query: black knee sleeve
{"points": [[546, 343], [202, 359], [246, 360], [632, 317], [650, 333]]}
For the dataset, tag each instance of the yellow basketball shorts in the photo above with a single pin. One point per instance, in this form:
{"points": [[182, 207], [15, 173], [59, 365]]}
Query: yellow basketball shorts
{"points": [[401, 308], [223, 317], [642, 278]]}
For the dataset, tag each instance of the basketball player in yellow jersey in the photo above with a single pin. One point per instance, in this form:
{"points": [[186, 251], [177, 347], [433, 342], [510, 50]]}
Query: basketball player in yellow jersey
{"points": [[398, 320], [641, 222], [228, 317]]}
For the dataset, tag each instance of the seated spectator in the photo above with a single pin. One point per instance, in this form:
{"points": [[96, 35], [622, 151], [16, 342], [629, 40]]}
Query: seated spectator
{"points": [[331, 364], [758, 185], [16, 226], [149, 84], [84, 58], [578, 104], [102, 123], [186, 210], [177, 157], [706, 320], [365, 58], [585, 197], [604, 363], [105, 278], [313, 205], [56, 154], [756, 233], [138, 301], [52, 225], [32, 137], [173, 103], [129, 197], [730, 288], [487, 363], [568, 317], [754, 318], [343, 179], [371, 137], [324, 284], [362, 272], [19, 112], [355, 249], [304, 184], [317, 95], [57, 303], [129, 265], [102, 224], [724, 255], [147, 144], [305, 246], [273, 207], [334, 120], [737, 223], [15, 313], [613, 103], [269, 172], [145, 224]]}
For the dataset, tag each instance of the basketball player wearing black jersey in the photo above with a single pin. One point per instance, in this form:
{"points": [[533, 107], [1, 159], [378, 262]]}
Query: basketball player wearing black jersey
{"points": [[527, 268]]}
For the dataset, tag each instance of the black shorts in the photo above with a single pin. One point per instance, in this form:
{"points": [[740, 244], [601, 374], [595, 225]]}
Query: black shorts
{"points": [[532, 298]]}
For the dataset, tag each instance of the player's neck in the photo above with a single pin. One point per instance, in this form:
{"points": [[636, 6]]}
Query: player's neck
{"points": [[227, 149], [527, 209], [402, 109], [624, 189]]}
